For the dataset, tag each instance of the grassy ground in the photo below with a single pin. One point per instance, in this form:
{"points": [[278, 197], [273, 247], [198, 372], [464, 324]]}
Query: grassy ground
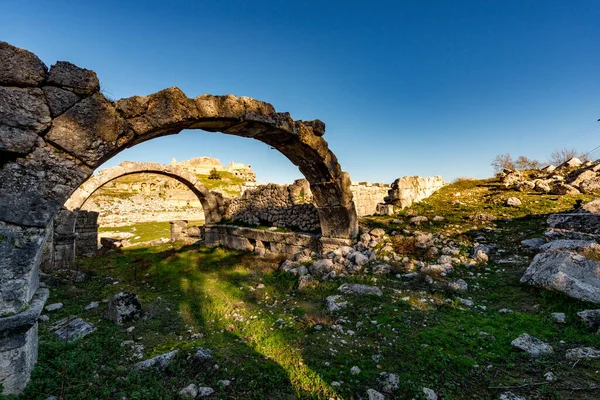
{"points": [[276, 342], [146, 231]]}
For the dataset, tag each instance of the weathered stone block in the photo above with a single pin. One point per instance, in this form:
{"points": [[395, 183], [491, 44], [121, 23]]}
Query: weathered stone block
{"points": [[24, 108], [91, 130], [20, 67], [583, 222], [59, 100], [21, 250], [70, 75], [33, 188], [18, 345], [17, 140]]}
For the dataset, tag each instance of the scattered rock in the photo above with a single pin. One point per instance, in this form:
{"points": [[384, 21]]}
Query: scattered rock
{"points": [[382, 269], [458, 286], [321, 267], [481, 257], [534, 346], [374, 395], [334, 304], [92, 305], [466, 302], [72, 329], [567, 272], [513, 202], [205, 391], [189, 392], [355, 370], [389, 382], [591, 318], [54, 307], [124, 307], [582, 352], [201, 356], [355, 288], [377, 232], [534, 243], [306, 281], [429, 394], [160, 362], [418, 220], [510, 396], [558, 317]]}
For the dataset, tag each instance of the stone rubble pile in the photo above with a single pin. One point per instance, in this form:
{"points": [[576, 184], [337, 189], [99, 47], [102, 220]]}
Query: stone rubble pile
{"points": [[408, 254], [571, 177]]}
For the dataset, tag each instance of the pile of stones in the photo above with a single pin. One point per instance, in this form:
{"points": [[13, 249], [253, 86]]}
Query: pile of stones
{"points": [[571, 177], [380, 254]]}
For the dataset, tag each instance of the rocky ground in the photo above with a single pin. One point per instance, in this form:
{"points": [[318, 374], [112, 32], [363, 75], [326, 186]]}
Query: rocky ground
{"points": [[434, 302]]}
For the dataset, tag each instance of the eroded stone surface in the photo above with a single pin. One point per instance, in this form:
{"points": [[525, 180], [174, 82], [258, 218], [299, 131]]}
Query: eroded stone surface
{"points": [[20, 67], [69, 75], [24, 108]]}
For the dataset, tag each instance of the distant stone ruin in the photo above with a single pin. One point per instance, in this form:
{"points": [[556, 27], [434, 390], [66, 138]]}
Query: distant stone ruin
{"points": [[57, 128], [204, 165]]}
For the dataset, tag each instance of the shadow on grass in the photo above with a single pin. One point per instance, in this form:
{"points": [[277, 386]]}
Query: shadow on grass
{"points": [[193, 297]]}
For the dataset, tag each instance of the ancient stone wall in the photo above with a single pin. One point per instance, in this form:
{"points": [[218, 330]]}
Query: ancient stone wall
{"points": [[367, 196], [278, 205], [285, 206], [261, 242], [409, 189]]}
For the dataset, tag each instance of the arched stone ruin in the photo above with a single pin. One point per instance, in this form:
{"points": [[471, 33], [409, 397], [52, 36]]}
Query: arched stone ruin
{"points": [[63, 245], [56, 128]]}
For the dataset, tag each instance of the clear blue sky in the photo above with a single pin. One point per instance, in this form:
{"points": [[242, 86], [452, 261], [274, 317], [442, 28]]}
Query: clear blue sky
{"points": [[405, 88]]}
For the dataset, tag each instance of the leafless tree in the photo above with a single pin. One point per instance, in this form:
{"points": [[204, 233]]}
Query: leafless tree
{"points": [[524, 163], [565, 154], [502, 161]]}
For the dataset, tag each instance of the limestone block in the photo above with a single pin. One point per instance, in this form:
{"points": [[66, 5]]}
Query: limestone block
{"points": [[339, 222], [24, 108], [18, 345], [59, 100], [90, 130], [163, 110], [69, 75], [583, 222], [21, 250], [20, 67], [33, 188], [17, 140]]}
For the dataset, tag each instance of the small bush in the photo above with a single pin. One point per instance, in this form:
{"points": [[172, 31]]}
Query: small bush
{"points": [[214, 174]]}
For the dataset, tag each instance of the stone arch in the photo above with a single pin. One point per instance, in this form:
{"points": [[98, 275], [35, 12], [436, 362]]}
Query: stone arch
{"points": [[211, 203], [57, 128], [64, 244]]}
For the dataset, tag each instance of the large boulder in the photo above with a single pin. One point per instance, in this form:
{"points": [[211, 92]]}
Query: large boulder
{"points": [[567, 272]]}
